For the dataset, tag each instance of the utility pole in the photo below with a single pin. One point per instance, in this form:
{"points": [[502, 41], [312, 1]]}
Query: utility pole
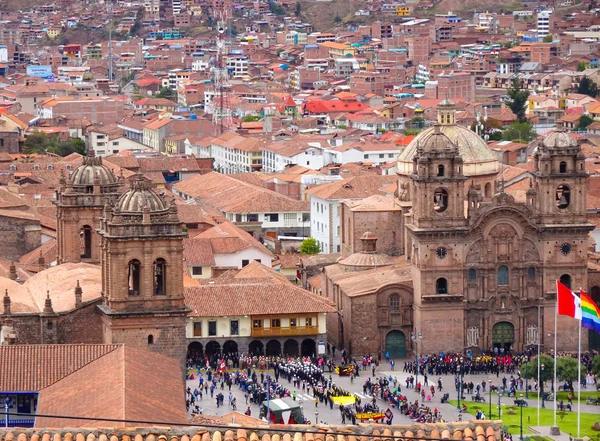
{"points": [[110, 55]]}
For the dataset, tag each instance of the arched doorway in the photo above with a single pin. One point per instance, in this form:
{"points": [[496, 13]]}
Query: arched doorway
{"points": [[212, 348], [593, 336], [256, 347], [308, 348], [194, 350], [273, 347], [503, 335], [395, 344], [290, 347], [230, 347]]}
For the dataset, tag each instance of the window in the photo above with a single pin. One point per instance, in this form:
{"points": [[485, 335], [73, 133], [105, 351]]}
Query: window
{"points": [[272, 217], [565, 279], [440, 199], [245, 262], [160, 277], [440, 170], [150, 339], [212, 328], [563, 196], [197, 329], [531, 273], [381, 155], [293, 323], [275, 323], [309, 321], [252, 217], [134, 269], [472, 274], [257, 260], [562, 167], [234, 327], [503, 275], [86, 242], [257, 324], [441, 286], [394, 303], [197, 271]]}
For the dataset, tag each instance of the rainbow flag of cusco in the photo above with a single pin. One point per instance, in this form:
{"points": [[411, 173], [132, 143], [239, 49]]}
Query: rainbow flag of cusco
{"points": [[590, 313]]}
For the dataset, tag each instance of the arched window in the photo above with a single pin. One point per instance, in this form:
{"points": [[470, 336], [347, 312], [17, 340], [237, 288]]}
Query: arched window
{"points": [[150, 339], [503, 275], [394, 303], [133, 277], [472, 274], [565, 279], [440, 170], [441, 286], [160, 277], [440, 200], [487, 190], [563, 196], [85, 237], [562, 167], [531, 273]]}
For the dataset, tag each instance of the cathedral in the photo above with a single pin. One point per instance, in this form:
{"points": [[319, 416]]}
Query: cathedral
{"points": [[119, 277], [451, 261]]}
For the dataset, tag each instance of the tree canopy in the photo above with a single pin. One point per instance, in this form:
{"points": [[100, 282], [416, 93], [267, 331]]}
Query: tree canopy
{"points": [[40, 143], [310, 246], [530, 370], [519, 132], [584, 121], [596, 365], [517, 100], [566, 370], [587, 87]]}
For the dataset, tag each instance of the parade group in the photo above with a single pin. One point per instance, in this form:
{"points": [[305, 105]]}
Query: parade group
{"points": [[314, 377]]}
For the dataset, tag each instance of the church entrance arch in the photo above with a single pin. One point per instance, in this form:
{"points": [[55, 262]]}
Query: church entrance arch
{"points": [[503, 335], [395, 344]]}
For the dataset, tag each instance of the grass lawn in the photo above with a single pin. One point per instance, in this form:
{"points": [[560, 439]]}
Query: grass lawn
{"points": [[567, 421], [564, 396]]}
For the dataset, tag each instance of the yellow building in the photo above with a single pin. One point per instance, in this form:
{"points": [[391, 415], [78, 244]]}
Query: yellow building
{"points": [[403, 11], [53, 32]]}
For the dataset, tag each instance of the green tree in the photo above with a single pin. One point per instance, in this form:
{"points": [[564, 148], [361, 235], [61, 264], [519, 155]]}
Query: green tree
{"points": [[530, 370], [581, 66], [298, 8], [566, 370], [584, 121], [277, 9], [165, 92], [251, 118], [596, 365], [519, 132], [548, 38], [40, 143], [587, 87], [517, 100], [310, 246]]}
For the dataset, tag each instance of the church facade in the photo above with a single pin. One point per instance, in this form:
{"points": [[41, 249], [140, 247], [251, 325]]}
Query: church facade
{"points": [[476, 268]]}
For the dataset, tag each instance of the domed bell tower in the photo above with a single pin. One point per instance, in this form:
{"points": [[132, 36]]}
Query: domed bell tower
{"points": [[79, 203], [142, 272]]}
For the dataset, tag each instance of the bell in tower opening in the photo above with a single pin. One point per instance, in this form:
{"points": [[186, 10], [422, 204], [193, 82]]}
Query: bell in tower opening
{"points": [[563, 196], [440, 199]]}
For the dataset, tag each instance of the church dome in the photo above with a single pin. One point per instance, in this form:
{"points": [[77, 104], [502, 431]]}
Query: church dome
{"points": [[139, 197], [477, 157], [91, 171], [558, 139]]}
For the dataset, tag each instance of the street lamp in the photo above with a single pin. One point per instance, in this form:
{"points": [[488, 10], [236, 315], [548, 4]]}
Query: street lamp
{"points": [[6, 408], [521, 406], [460, 377], [316, 417], [527, 380], [541, 385], [490, 386], [415, 337], [499, 406]]}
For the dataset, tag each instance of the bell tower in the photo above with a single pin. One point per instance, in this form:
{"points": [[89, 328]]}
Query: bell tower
{"points": [[438, 183], [142, 272], [79, 203], [437, 235], [560, 180]]}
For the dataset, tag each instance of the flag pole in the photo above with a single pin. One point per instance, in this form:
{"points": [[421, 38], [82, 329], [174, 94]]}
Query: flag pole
{"points": [[555, 358], [579, 385], [538, 364]]}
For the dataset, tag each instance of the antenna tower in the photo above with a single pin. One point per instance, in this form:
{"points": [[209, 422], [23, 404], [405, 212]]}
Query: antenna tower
{"points": [[221, 106]]}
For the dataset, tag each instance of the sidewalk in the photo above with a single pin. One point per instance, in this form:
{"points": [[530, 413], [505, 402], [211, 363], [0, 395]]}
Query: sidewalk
{"points": [[545, 431]]}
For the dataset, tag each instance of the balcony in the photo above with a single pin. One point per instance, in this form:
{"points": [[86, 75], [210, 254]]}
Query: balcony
{"points": [[281, 331]]}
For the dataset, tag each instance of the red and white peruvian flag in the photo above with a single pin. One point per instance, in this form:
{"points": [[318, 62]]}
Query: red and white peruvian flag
{"points": [[568, 302]]}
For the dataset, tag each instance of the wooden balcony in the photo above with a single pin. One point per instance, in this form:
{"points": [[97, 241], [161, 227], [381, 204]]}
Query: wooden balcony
{"points": [[292, 331]]}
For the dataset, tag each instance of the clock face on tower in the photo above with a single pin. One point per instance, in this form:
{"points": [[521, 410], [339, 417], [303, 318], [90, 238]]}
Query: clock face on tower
{"points": [[565, 248], [442, 252]]}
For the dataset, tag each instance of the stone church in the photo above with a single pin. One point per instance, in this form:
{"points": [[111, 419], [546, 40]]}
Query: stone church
{"points": [[451, 261], [119, 275]]}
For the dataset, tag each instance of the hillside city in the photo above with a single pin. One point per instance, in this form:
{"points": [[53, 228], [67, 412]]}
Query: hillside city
{"points": [[311, 220]]}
